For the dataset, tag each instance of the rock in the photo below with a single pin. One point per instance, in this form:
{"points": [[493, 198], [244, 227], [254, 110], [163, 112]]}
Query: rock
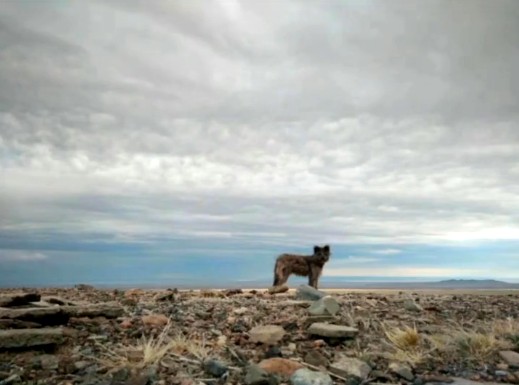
{"points": [[155, 320], [59, 301], [324, 306], [221, 341], [308, 293], [18, 299], [12, 379], [267, 334], [16, 324], [278, 289], [463, 381], [126, 323], [45, 316], [81, 365], [215, 368], [121, 376], [313, 357], [320, 318], [240, 311], [280, 366], [257, 376], [231, 292], [347, 366], [59, 315], [107, 310], [167, 296], [23, 338], [402, 370], [47, 362], [84, 287], [273, 351], [333, 331], [411, 305], [308, 377], [511, 358]]}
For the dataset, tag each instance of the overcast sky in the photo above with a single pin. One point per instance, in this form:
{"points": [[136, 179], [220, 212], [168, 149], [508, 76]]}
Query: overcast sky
{"points": [[161, 141]]}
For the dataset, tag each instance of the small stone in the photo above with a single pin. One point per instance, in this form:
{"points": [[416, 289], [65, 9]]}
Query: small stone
{"points": [[511, 358], [257, 376], [411, 305], [292, 347], [280, 366], [278, 289], [501, 373], [156, 320], [221, 341], [313, 357], [347, 366], [325, 306], [319, 343], [273, 351], [81, 365], [241, 310], [215, 368], [308, 377], [23, 338], [267, 334], [402, 370], [327, 318], [330, 330], [120, 376], [308, 293], [84, 287], [126, 323]]}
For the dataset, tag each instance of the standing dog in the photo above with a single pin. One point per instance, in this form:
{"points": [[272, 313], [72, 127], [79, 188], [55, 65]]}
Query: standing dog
{"points": [[310, 266]]}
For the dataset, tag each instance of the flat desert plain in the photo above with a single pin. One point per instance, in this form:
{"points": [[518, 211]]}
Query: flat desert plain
{"points": [[88, 336]]}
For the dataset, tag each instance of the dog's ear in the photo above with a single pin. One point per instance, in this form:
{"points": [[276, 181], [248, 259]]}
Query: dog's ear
{"points": [[316, 249], [326, 249]]}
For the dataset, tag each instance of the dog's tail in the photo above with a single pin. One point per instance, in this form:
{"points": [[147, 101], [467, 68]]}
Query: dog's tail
{"points": [[278, 272]]}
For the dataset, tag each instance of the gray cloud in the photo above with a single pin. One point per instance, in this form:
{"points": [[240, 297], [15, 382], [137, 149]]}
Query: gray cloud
{"points": [[284, 122]]}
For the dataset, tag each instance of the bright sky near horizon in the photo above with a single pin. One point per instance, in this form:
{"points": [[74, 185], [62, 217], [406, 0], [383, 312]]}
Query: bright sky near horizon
{"points": [[193, 141]]}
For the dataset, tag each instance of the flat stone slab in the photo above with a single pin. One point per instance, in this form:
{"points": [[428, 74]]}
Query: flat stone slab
{"points": [[347, 366], [25, 338], [511, 357], [267, 334], [463, 381], [59, 315], [308, 293], [18, 299], [325, 305], [323, 329]]}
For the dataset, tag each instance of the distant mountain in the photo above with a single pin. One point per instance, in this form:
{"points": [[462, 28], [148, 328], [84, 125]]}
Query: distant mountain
{"points": [[445, 284], [474, 284]]}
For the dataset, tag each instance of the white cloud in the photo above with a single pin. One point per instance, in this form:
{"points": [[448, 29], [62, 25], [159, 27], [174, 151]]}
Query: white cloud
{"points": [[253, 123], [404, 271], [21, 255]]}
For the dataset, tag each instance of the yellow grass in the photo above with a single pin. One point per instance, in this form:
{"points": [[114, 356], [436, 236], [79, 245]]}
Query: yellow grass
{"points": [[150, 351]]}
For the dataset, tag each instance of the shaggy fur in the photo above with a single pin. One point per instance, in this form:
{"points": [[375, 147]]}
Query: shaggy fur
{"points": [[310, 266]]}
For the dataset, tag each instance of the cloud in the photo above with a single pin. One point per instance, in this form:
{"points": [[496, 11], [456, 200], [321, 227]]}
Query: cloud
{"points": [[408, 271], [21, 256], [256, 125]]}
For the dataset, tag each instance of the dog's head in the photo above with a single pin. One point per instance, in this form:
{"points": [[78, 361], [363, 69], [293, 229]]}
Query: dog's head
{"points": [[322, 253]]}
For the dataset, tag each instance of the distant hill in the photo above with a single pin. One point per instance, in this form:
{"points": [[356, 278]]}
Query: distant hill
{"points": [[445, 284], [474, 284]]}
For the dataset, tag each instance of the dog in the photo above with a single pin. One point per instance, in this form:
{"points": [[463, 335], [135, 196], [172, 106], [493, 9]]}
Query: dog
{"points": [[310, 266]]}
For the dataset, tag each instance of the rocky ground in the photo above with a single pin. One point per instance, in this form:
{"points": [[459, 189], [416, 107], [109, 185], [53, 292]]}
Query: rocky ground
{"points": [[97, 337]]}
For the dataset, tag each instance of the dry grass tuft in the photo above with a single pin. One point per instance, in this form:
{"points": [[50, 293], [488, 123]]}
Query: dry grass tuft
{"points": [[407, 344], [150, 351], [475, 345], [404, 339]]}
